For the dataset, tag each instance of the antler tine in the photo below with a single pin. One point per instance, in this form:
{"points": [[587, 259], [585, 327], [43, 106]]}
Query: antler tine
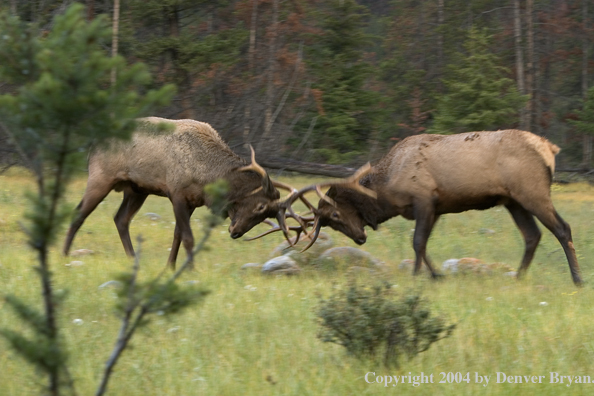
{"points": [[350, 182], [292, 191], [300, 219], [284, 186], [307, 203], [254, 165], [353, 181], [274, 228], [317, 226]]}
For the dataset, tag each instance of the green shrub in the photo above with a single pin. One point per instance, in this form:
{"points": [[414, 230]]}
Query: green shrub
{"points": [[375, 322]]}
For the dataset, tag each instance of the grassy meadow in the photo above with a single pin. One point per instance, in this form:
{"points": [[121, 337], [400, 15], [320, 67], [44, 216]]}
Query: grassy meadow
{"points": [[256, 335]]}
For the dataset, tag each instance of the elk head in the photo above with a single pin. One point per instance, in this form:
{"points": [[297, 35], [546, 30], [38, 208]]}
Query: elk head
{"points": [[250, 208]]}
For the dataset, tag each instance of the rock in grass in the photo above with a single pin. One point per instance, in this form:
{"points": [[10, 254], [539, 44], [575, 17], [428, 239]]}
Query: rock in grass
{"points": [[346, 256], [408, 265], [153, 216], [287, 271], [280, 263], [75, 264], [468, 265], [111, 283], [450, 265], [81, 252], [251, 266], [323, 243]]}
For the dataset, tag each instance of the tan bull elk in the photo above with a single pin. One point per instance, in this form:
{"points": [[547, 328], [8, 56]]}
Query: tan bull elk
{"points": [[176, 165], [426, 176]]}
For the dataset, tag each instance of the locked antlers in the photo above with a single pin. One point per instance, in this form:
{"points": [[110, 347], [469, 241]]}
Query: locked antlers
{"points": [[286, 211]]}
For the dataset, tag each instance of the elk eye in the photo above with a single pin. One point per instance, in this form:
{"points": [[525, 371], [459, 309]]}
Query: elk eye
{"points": [[260, 207], [335, 215]]}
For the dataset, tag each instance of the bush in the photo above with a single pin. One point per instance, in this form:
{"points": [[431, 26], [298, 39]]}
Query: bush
{"points": [[373, 321]]}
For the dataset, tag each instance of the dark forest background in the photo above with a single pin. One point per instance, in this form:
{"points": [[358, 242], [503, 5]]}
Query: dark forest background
{"points": [[342, 81]]}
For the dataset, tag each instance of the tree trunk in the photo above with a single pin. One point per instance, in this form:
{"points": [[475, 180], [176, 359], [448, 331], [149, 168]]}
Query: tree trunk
{"points": [[114, 37], [91, 10], [266, 138], [530, 65], [519, 58], [251, 53], [440, 22], [545, 93], [172, 16], [587, 139]]}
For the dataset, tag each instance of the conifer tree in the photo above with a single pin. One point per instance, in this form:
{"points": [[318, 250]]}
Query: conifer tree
{"points": [[346, 107], [479, 96], [585, 121], [61, 104]]}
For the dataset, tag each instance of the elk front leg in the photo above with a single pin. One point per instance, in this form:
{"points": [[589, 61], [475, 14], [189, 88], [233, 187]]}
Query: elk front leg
{"points": [[425, 220], [176, 244], [182, 213], [130, 206]]}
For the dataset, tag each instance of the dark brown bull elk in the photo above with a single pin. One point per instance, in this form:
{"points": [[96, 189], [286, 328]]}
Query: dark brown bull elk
{"points": [[426, 176], [176, 165]]}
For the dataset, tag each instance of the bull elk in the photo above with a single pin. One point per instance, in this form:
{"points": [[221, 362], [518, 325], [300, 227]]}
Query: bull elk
{"points": [[176, 165], [426, 176]]}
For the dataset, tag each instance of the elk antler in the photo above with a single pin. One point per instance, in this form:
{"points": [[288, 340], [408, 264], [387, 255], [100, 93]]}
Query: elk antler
{"points": [[267, 184], [275, 227], [351, 182], [254, 165]]}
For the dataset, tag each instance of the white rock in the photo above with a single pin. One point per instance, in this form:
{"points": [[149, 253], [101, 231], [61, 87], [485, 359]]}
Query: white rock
{"points": [[111, 283], [81, 252], [75, 264], [153, 216], [347, 256], [251, 265], [450, 265], [279, 263]]}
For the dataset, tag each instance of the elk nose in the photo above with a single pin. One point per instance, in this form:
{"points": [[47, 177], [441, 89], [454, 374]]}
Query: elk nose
{"points": [[360, 241], [235, 235]]}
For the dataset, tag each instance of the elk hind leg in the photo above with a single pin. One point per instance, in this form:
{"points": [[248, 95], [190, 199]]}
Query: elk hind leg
{"points": [[546, 213], [130, 206], [530, 231]]}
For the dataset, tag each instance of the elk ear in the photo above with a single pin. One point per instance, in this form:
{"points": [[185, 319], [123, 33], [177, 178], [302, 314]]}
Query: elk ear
{"points": [[267, 185]]}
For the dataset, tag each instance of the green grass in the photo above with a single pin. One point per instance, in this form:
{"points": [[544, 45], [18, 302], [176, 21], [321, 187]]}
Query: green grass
{"points": [[256, 335]]}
